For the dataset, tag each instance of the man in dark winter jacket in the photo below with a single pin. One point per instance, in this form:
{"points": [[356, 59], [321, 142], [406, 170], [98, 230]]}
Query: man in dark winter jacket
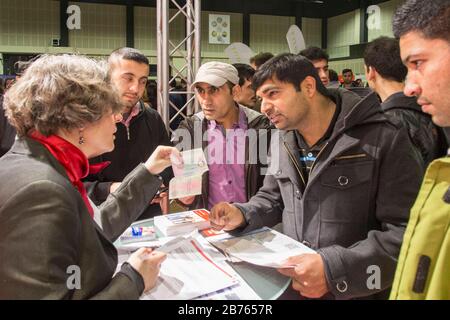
{"points": [[386, 73], [231, 136], [344, 178], [138, 134]]}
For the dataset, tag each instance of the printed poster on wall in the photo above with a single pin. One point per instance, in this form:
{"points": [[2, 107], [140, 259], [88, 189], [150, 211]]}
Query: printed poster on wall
{"points": [[219, 29]]}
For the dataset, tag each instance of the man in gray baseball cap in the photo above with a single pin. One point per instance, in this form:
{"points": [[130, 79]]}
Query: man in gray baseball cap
{"points": [[223, 126], [216, 74]]}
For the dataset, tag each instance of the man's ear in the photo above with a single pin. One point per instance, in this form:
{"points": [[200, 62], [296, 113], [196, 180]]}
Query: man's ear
{"points": [[236, 91], [371, 73], [308, 86]]}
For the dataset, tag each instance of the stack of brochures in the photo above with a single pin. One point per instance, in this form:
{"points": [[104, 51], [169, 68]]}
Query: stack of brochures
{"points": [[182, 222]]}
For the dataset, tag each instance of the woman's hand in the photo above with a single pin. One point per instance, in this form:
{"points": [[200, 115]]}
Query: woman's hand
{"points": [[147, 262], [160, 159]]}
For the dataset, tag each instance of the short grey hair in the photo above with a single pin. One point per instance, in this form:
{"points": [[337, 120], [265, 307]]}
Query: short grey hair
{"points": [[60, 92]]}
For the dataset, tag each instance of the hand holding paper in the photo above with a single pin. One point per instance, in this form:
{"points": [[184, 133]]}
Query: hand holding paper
{"points": [[188, 174], [161, 158], [189, 163], [147, 262], [226, 216], [308, 274]]}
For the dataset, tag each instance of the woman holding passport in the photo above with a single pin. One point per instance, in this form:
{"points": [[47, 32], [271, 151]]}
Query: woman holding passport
{"points": [[54, 242]]}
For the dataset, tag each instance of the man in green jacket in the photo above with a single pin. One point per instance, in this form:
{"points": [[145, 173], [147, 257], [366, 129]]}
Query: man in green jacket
{"points": [[423, 270]]}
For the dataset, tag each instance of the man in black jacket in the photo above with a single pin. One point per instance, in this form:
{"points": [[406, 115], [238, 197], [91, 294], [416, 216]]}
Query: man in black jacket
{"points": [[386, 74], [138, 134]]}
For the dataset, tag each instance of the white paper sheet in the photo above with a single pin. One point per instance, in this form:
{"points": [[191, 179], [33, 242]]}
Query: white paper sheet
{"points": [[188, 176], [171, 276], [264, 247], [189, 272]]}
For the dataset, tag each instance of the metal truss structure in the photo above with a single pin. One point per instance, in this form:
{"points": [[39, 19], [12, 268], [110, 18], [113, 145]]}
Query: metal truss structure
{"points": [[188, 48]]}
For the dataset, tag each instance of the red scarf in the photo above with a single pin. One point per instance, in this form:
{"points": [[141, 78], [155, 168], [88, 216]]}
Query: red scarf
{"points": [[73, 160]]}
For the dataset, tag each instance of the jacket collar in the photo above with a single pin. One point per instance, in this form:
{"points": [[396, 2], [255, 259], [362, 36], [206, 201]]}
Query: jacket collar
{"points": [[34, 149], [133, 113], [398, 100], [136, 112], [355, 111]]}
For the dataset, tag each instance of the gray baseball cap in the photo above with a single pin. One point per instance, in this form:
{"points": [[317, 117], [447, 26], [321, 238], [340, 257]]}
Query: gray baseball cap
{"points": [[217, 74]]}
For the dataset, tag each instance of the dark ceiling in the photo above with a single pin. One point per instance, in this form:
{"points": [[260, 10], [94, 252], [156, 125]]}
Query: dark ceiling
{"points": [[302, 8]]}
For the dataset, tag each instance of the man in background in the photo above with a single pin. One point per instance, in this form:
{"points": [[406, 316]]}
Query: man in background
{"points": [[347, 78], [245, 95], [334, 79], [138, 134], [259, 59], [319, 58], [386, 74]]}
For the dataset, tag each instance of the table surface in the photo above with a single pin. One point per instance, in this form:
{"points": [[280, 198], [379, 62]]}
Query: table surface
{"points": [[268, 283]]}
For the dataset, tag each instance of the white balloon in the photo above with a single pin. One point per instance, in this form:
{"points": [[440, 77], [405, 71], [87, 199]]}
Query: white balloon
{"points": [[238, 52], [295, 39]]}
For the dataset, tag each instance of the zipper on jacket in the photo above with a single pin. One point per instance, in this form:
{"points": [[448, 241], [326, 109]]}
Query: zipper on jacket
{"points": [[247, 180], [128, 132], [314, 162], [296, 165]]}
